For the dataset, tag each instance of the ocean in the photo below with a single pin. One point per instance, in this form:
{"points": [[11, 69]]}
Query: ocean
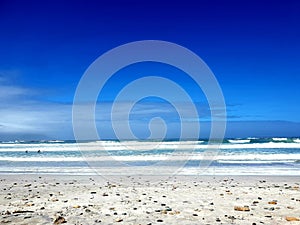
{"points": [[250, 156]]}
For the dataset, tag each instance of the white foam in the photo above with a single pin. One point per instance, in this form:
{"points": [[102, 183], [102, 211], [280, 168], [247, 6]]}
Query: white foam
{"points": [[56, 141], [297, 140], [171, 157], [254, 161], [43, 159], [260, 157], [141, 145], [226, 170], [239, 141], [279, 139], [180, 157], [50, 170], [274, 145]]}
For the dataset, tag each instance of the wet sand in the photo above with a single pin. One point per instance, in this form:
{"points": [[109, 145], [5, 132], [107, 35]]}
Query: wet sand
{"points": [[41, 199]]}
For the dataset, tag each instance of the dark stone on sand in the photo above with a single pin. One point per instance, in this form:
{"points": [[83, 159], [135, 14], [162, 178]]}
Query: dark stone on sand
{"points": [[231, 217], [59, 220], [159, 221], [23, 211]]}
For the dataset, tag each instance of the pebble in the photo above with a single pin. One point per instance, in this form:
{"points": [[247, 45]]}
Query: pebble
{"points": [[241, 208], [290, 218], [60, 220], [274, 202]]}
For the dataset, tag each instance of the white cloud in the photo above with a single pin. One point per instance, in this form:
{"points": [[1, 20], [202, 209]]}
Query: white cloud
{"points": [[51, 120], [22, 116], [11, 92]]}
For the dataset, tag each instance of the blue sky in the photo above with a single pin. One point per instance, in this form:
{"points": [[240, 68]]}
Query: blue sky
{"points": [[252, 47]]}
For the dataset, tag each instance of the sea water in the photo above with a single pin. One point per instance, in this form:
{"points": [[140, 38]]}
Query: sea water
{"points": [[250, 156]]}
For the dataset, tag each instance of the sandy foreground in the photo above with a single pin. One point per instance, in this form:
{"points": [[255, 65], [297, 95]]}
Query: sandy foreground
{"points": [[41, 199]]}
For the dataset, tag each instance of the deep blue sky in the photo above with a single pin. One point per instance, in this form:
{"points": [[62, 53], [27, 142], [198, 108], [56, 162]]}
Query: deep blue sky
{"points": [[252, 47]]}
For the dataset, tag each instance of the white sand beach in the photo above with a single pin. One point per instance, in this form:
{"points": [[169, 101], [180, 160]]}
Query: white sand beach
{"points": [[42, 199]]}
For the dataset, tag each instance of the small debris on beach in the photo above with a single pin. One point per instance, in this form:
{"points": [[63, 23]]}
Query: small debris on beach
{"points": [[290, 218], [242, 208], [59, 220]]}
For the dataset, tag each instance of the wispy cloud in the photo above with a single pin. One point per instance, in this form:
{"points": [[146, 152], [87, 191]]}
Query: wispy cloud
{"points": [[24, 117], [10, 92], [2, 80], [21, 115], [49, 120]]}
